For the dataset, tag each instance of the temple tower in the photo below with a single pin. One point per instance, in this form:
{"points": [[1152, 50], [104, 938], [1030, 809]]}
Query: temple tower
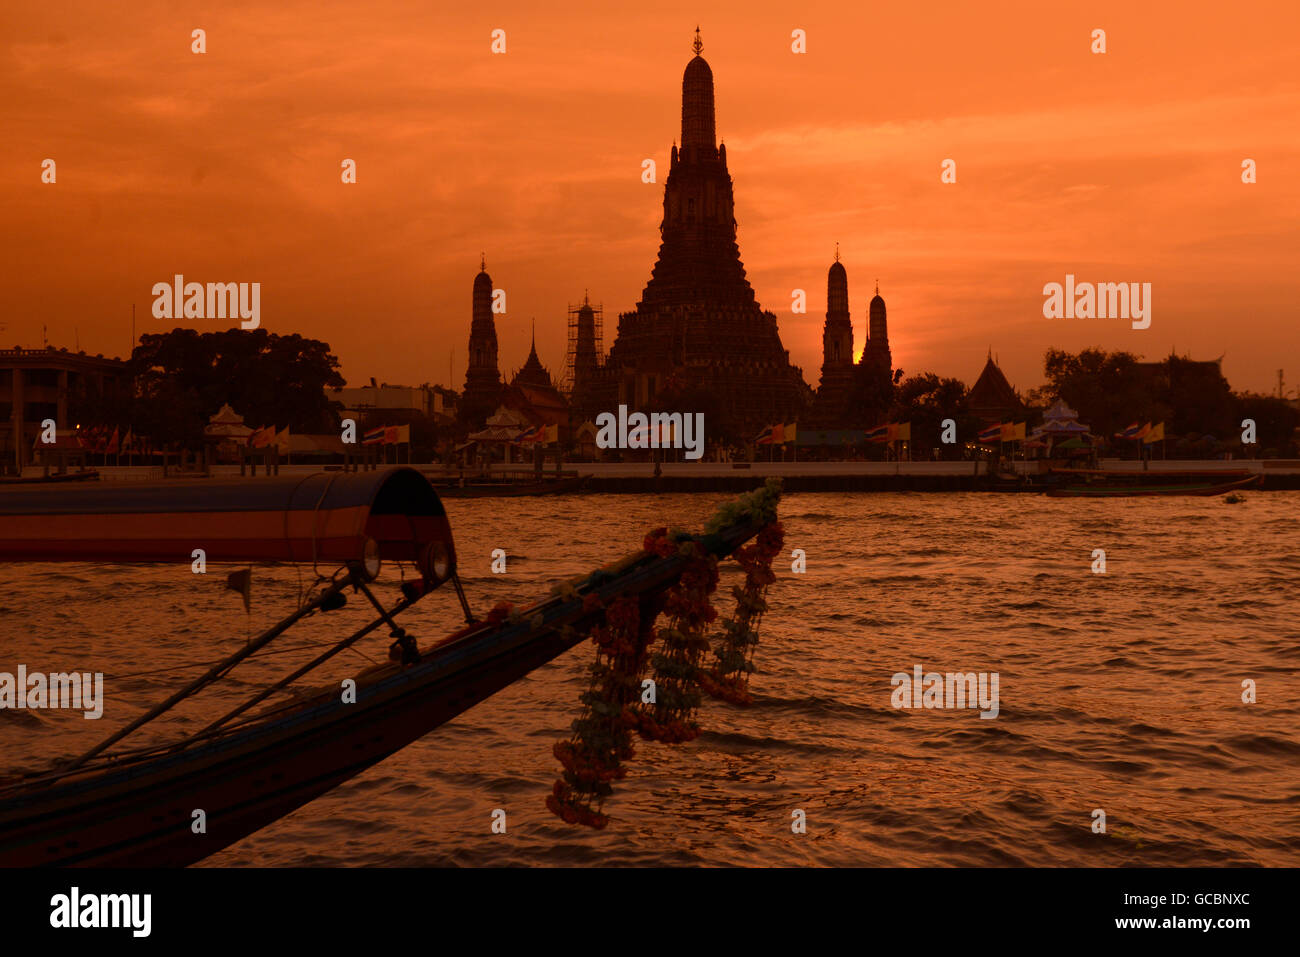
{"points": [[837, 334], [698, 329], [829, 410], [482, 377], [877, 348]]}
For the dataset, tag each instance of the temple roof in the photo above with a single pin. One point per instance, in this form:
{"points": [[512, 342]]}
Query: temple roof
{"points": [[992, 390], [533, 373]]}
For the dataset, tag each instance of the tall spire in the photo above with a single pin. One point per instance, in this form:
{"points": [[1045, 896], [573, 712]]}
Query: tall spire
{"points": [[482, 262], [697, 45], [482, 378], [837, 252], [697, 102], [533, 373]]}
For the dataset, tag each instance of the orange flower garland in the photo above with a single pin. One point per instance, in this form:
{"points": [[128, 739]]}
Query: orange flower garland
{"points": [[683, 643], [728, 679], [602, 740], [612, 710]]}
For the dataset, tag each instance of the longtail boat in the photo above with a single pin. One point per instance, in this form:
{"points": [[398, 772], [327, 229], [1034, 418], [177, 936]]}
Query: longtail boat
{"points": [[1108, 483], [136, 807]]}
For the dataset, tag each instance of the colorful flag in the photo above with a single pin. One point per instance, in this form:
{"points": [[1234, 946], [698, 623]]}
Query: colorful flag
{"points": [[1155, 434], [1012, 432], [1130, 433], [262, 437], [764, 437], [374, 436], [1142, 432], [533, 434], [404, 434], [902, 432], [791, 430], [991, 434], [552, 434], [879, 434]]}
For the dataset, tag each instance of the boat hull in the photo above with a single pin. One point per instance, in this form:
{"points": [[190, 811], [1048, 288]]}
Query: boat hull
{"points": [[141, 812]]}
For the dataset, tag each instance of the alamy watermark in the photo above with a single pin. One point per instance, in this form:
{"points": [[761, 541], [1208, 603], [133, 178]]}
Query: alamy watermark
{"points": [[950, 690], [79, 691], [215, 300], [75, 909], [660, 430], [1102, 300]]}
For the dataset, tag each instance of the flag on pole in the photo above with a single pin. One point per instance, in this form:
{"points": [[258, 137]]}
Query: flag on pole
{"points": [[992, 434], [262, 437], [1130, 433], [374, 436], [1142, 432], [1013, 431], [533, 434], [902, 432], [1154, 434], [791, 430], [764, 437], [552, 434], [879, 434], [242, 582]]}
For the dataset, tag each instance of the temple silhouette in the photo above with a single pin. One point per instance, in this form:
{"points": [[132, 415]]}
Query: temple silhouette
{"points": [[698, 337], [850, 395], [698, 328]]}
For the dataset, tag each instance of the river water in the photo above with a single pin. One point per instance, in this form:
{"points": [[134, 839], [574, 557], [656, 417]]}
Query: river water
{"points": [[1119, 691]]}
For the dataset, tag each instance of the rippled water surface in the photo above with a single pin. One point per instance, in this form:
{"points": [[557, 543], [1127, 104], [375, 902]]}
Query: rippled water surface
{"points": [[1119, 691]]}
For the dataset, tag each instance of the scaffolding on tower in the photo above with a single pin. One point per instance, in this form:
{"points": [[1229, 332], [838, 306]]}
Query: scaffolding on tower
{"points": [[594, 351]]}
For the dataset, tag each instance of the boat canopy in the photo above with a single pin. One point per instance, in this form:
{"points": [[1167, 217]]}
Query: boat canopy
{"points": [[323, 517]]}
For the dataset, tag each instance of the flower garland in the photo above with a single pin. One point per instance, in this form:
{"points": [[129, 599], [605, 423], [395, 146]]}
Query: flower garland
{"points": [[670, 717], [602, 740], [728, 679], [593, 756]]}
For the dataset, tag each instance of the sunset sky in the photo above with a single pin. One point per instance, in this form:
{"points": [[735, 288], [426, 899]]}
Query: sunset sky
{"points": [[225, 166]]}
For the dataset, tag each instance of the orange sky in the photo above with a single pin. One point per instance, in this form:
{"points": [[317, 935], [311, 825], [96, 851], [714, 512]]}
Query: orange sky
{"points": [[225, 167]]}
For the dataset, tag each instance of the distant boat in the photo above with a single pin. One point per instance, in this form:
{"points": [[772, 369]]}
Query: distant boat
{"points": [[1107, 483], [513, 489], [85, 475]]}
